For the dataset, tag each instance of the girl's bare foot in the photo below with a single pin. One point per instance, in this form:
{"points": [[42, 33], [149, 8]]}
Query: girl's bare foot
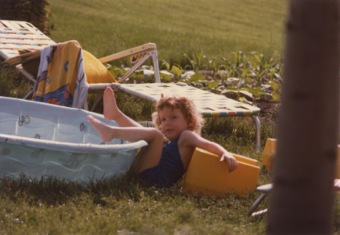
{"points": [[102, 129], [111, 110]]}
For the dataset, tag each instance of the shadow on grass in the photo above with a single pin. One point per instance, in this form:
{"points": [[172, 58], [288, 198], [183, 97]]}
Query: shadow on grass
{"points": [[54, 191]]}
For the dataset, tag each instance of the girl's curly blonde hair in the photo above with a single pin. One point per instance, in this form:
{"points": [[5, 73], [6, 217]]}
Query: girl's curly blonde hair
{"points": [[186, 106]]}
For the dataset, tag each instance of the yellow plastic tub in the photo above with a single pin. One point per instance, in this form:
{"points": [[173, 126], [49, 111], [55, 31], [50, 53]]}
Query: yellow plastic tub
{"points": [[269, 150], [269, 153], [207, 175], [337, 172]]}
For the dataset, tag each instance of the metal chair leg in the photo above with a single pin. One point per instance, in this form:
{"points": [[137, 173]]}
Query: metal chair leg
{"points": [[265, 190]]}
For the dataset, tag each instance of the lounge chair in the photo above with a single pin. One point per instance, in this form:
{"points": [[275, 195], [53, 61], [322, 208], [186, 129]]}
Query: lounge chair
{"points": [[21, 44], [19, 35]]}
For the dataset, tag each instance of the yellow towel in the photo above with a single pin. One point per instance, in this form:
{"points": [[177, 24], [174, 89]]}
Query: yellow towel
{"points": [[61, 77], [95, 71]]}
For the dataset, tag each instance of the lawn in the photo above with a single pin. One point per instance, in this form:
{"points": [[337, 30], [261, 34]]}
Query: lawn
{"points": [[217, 28]]}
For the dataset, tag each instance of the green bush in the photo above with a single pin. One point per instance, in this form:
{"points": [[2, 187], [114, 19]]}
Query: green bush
{"points": [[33, 11]]}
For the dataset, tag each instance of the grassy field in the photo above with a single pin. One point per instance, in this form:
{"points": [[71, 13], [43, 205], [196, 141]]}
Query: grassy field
{"points": [[217, 28]]}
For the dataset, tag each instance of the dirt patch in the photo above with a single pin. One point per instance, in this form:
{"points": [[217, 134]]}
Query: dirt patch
{"points": [[269, 110]]}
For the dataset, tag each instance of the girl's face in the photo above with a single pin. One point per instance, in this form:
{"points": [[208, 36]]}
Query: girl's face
{"points": [[172, 123]]}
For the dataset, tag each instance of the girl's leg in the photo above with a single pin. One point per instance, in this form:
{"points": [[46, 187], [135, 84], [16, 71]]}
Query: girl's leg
{"points": [[150, 156], [112, 112]]}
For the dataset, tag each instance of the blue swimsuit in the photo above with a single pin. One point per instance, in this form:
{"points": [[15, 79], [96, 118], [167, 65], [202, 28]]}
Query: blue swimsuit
{"points": [[169, 170]]}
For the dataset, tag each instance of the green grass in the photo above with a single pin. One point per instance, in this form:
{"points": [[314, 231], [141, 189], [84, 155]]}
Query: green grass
{"points": [[217, 28], [50, 206]]}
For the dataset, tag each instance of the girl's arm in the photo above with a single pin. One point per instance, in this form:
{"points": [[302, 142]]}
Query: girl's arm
{"points": [[190, 139]]}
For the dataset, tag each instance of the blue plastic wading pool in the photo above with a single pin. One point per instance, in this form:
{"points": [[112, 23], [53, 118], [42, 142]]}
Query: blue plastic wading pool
{"points": [[39, 139]]}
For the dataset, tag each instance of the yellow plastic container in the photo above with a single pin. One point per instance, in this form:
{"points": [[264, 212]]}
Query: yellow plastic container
{"points": [[208, 176], [269, 153], [337, 173]]}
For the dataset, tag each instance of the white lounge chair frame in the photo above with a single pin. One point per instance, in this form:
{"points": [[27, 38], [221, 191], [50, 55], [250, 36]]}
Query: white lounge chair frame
{"points": [[21, 35]]}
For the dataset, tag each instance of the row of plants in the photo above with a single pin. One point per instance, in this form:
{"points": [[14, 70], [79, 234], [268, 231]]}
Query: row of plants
{"points": [[247, 77]]}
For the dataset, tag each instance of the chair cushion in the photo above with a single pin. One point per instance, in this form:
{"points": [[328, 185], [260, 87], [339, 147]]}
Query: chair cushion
{"points": [[95, 71]]}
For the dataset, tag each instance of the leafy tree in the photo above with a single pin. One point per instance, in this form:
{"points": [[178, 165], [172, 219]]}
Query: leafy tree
{"points": [[33, 11]]}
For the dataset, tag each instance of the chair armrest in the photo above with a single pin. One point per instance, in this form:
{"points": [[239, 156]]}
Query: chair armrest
{"points": [[23, 58], [129, 52]]}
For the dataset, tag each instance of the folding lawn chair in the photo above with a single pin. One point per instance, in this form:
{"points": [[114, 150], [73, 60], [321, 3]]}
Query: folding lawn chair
{"points": [[265, 190], [18, 35], [21, 44]]}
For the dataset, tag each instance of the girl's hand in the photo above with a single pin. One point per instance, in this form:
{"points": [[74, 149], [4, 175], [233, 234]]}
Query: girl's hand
{"points": [[231, 161]]}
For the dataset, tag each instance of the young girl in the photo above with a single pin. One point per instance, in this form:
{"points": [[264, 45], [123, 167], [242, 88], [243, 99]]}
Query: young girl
{"points": [[177, 121]]}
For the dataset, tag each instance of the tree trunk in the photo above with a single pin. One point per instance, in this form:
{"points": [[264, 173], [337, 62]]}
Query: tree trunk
{"points": [[302, 198]]}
